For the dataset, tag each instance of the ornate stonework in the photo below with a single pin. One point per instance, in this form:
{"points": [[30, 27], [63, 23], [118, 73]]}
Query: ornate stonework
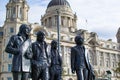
{"points": [[104, 55]]}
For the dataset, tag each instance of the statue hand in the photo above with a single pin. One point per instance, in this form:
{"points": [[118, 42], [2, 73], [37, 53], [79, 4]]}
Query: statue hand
{"points": [[73, 71]]}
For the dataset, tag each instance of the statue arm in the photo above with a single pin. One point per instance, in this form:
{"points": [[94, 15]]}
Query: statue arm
{"points": [[60, 60], [72, 59], [10, 46], [29, 53], [48, 54]]}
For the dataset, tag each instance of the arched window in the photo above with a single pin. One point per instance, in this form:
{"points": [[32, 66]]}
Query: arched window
{"points": [[14, 12], [68, 21], [50, 22], [20, 14], [55, 20], [62, 20], [107, 59], [101, 59]]}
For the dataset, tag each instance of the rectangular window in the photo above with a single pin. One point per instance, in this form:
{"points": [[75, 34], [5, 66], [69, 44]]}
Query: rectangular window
{"points": [[9, 67], [9, 56], [1, 33], [9, 78], [11, 30], [107, 64]]}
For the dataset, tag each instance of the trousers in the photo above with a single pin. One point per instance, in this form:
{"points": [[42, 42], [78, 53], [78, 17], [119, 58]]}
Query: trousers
{"points": [[55, 74], [20, 75], [82, 74], [40, 73]]}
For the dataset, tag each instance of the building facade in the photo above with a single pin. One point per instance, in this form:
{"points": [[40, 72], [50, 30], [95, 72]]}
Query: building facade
{"points": [[104, 55]]}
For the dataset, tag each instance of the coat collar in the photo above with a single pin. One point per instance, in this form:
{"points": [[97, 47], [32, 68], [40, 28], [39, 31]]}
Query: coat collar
{"points": [[38, 44], [20, 37]]}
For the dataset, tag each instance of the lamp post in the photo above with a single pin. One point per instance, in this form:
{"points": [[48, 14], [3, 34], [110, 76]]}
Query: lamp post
{"points": [[58, 28]]}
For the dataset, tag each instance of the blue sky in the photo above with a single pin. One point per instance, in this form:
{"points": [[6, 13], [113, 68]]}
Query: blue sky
{"points": [[103, 16]]}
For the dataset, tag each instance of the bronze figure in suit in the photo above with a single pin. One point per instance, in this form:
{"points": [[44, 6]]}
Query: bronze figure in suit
{"points": [[18, 45], [40, 59], [80, 61], [56, 62]]}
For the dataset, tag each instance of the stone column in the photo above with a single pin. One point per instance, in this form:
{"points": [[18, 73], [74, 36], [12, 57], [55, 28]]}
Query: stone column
{"points": [[65, 22], [98, 58], [17, 12], [70, 22], [73, 23], [26, 13], [64, 53], [47, 22], [115, 59], [7, 13], [53, 20], [10, 11], [110, 60], [104, 57]]}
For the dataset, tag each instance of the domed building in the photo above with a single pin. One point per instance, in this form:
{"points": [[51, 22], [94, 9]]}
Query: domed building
{"points": [[104, 55], [68, 18]]}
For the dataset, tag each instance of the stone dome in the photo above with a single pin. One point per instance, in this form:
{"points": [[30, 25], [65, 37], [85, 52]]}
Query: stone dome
{"points": [[58, 2]]}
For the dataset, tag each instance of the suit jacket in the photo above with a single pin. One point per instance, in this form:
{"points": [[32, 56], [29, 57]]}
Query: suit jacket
{"points": [[75, 61], [37, 58], [55, 55], [15, 47], [77, 54]]}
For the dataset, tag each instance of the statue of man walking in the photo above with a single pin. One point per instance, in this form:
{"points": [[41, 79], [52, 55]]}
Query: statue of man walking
{"points": [[80, 62], [18, 45]]}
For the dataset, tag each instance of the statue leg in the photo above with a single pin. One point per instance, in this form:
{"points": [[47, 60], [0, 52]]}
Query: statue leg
{"points": [[35, 73], [17, 76], [45, 74], [85, 72], [52, 74], [79, 73], [25, 75], [58, 75]]}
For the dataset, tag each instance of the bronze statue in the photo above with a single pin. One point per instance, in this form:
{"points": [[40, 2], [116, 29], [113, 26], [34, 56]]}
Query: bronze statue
{"points": [[79, 61], [56, 62], [18, 45], [40, 58]]}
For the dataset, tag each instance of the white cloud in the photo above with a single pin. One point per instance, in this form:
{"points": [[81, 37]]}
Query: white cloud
{"points": [[103, 16]]}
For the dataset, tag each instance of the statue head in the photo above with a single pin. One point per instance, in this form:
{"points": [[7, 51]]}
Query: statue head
{"points": [[40, 36], [24, 30], [54, 44], [79, 40]]}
